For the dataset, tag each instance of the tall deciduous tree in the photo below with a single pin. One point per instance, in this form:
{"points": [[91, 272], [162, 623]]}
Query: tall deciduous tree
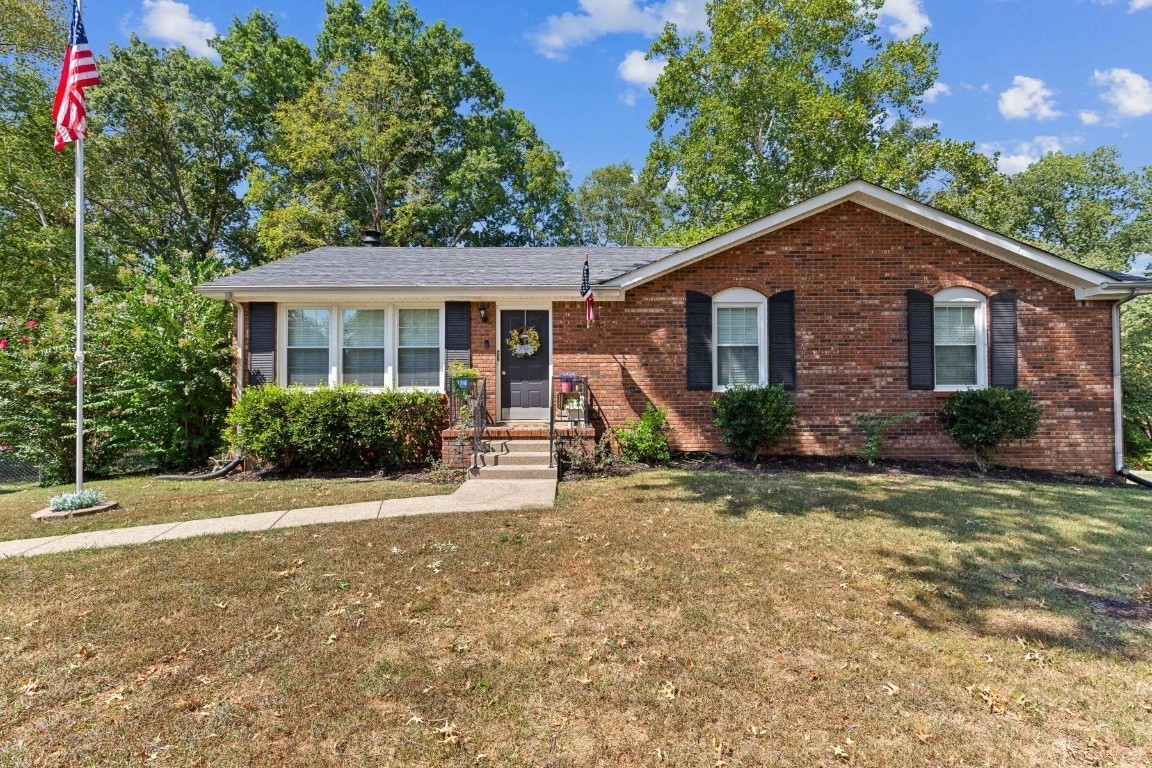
{"points": [[174, 145], [426, 152], [32, 29], [784, 99], [1083, 206], [617, 207]]}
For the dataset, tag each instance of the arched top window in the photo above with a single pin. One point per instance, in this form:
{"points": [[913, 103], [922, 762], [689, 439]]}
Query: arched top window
{"points": [[740, 317], [960, 338]]}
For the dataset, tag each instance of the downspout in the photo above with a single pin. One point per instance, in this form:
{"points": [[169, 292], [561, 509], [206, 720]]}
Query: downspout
{"points": [[1118, 395]]}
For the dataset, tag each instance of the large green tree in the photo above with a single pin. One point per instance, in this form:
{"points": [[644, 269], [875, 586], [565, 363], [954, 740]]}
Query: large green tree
{"points": [[171, 136], [426, 151], [617, 207], [784, 99], [31, 29], [1082, 206]]}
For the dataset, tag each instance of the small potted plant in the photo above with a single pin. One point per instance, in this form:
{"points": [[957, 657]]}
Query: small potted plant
{"points": [[462, 376], [566, 381], [573, 409]]}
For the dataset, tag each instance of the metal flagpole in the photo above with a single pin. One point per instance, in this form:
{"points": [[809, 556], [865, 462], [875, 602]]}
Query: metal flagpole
{"points": [[79, 315], [79, 304]]}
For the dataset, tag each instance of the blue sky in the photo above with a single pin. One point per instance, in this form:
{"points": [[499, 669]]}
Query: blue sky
{"points": [[1020, 76]]}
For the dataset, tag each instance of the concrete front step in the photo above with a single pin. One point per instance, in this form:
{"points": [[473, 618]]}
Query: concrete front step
{"points": [[518, 446], [530, 472], [513, 458]]}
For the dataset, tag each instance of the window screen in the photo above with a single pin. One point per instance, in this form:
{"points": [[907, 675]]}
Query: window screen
{"points": [[364, 347], [308, 347], [737, 346], [418, 348], [955, 331]]}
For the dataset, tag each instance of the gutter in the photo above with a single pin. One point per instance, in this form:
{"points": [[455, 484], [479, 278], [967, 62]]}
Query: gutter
{"points": [[1118, 388]]}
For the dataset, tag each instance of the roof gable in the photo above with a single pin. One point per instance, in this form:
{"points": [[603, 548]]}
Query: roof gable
{"points": [[1087, 283]]}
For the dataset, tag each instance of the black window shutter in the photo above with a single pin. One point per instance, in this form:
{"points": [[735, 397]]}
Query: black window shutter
{"points": [[782, 339], [698, 321], [458, 332], [261, 343], [1004, 339], [921, 341]]}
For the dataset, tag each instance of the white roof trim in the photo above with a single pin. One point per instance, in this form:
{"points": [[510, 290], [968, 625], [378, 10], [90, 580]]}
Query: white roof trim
{"points": [[905, 209]]}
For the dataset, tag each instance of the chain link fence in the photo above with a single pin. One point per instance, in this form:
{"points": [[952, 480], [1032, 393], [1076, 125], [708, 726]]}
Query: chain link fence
{"points": [[15, 473]]}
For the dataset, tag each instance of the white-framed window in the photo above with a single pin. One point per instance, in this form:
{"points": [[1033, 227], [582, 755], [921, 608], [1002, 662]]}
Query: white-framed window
{"points": [[307, 353], [373, 346], [364, 357], [419, 341], [740, 328], [960, 330]]}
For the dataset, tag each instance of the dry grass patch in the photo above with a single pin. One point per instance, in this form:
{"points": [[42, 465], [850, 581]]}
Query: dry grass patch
{"points": [[676, 618], [146, 500]]}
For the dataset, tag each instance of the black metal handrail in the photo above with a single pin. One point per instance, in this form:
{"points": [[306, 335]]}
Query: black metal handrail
{"points": [[479, 421], [559, 400]]}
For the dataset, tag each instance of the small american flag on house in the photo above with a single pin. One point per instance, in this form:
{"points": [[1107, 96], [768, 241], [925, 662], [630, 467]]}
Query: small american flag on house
{"points": [[77, 73], [586, 292]]}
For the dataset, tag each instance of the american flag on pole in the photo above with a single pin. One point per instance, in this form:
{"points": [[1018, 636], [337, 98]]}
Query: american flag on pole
{"points": [[78, 73], [589, 297]]}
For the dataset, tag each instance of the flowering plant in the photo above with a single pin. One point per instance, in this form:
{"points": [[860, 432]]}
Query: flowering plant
{"points": [[567, 376], [524, 342]]}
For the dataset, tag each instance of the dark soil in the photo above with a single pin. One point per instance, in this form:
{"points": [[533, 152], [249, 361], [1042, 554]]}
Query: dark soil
{"points": [[711, 462], [432, 475]]}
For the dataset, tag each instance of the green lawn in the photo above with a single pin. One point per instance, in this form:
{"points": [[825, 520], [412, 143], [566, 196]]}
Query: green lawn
{"points": [[145, 500], [675, 618]]}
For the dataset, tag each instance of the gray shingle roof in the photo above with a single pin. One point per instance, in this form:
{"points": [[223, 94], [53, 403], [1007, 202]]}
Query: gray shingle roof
{"points": [[368, 267]]}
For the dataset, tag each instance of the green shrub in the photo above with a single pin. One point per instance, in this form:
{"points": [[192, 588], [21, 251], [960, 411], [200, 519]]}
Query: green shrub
{"points": [[339, 428], [752, 419], [646, 440], [980, 420], [876, 427]]}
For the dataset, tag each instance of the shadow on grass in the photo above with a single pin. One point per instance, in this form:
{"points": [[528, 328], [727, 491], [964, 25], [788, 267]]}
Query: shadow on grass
{"points": [[990, 553]]}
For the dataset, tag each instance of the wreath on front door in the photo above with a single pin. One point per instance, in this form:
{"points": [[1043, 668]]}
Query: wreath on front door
{"points": [[523, 342]]}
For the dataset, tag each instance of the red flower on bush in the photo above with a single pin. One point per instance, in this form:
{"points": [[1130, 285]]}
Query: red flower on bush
{"points": [[24, 339], [3, 343], [72, 380], [31, 324]]}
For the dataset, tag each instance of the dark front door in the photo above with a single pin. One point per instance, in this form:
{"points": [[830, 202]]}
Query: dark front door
{"points": [[524, 391]]}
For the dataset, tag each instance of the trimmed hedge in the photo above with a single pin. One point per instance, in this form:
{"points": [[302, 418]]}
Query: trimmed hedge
{"points": [[753, 419], [339, 428], [980, 420]]}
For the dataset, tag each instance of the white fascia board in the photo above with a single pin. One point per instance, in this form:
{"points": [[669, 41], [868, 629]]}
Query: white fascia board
{"points": [[883, 201], [391, 294], [1111, 291]]}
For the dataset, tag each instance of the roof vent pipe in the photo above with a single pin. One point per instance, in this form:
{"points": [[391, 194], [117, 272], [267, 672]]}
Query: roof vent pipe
{"points": [[371, 237]]}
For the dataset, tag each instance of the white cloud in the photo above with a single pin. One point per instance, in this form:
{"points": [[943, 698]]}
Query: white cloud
{"points": [[907, 17], [597, 18], [1139, 5], [1028, 98], [936, 91], [173, 24], [628, 98], [1129, 93], [637, 70], [1023, 154], [1089, 117]]}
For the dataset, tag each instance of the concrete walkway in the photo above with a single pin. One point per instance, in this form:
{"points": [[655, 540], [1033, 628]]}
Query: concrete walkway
{"points": [[472, 496]]}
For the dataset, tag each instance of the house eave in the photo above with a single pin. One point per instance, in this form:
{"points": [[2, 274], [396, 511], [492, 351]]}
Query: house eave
{"points": [[912, 212], [402, 293], [1116, 290]]}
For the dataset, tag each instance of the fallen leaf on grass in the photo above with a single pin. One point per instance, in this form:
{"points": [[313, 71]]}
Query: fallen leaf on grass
{"points": [[668, 690]]}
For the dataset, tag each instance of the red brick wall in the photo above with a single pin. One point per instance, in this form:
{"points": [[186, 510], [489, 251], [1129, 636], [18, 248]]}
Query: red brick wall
{"points": [[851, 268]]}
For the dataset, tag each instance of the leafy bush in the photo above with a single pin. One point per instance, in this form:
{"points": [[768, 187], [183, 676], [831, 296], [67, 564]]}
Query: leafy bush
{"points": [[876, 427], [646, 440], [980, 420], [752, 419], [157, 382], [66, 502], [339, 428]]}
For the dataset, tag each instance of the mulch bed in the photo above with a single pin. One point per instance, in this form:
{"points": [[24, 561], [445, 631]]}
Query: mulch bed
{"points": [[712, 462]]}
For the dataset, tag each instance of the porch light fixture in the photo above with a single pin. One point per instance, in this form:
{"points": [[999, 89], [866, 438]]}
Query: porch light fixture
{"points": [[483, 313]]}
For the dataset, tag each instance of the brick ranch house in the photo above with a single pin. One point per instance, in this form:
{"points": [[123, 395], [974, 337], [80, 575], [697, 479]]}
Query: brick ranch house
{"points": [[861, 301]]}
